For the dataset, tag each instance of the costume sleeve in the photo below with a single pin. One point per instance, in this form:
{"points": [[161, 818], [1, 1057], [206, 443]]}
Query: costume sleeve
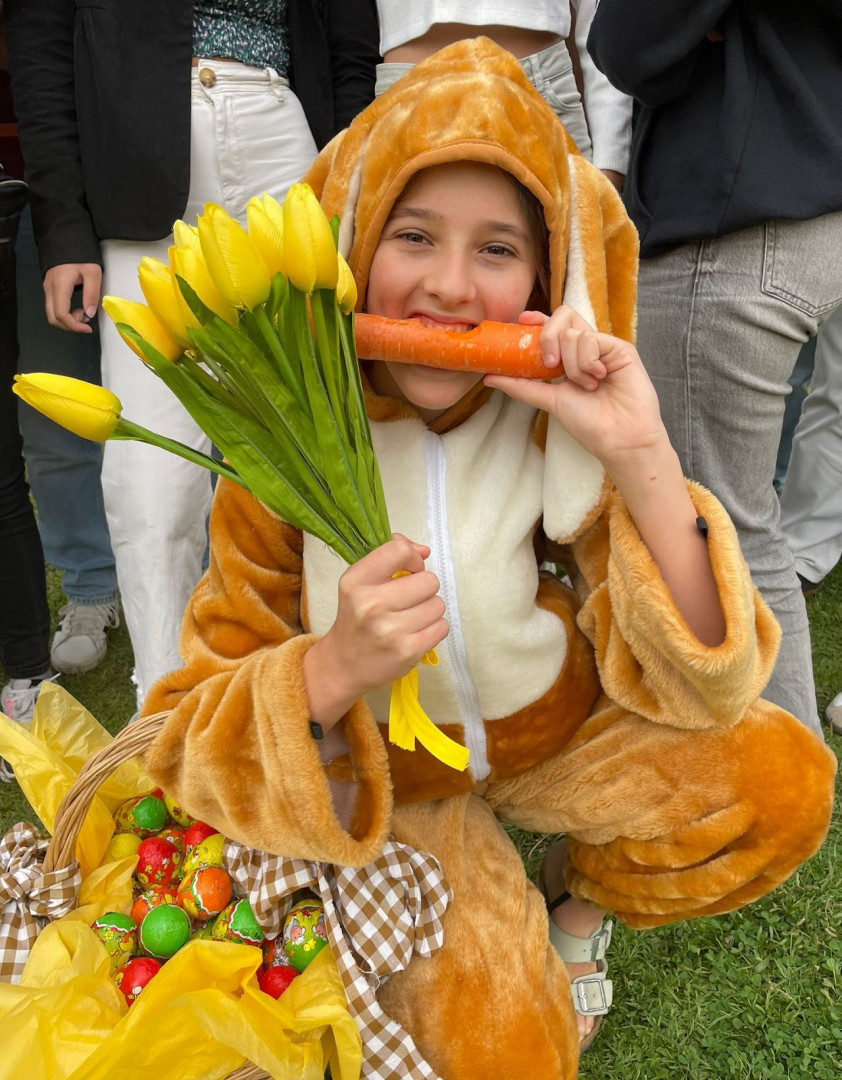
{"points": [[237, 749], [648, 659], [648, 48], [39, 38]]}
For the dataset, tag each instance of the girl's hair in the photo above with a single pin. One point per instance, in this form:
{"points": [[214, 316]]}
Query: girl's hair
{"points": [[539, 299]]}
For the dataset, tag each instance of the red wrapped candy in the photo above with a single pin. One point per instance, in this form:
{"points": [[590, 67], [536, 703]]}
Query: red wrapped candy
{"points": [[158, 862]]}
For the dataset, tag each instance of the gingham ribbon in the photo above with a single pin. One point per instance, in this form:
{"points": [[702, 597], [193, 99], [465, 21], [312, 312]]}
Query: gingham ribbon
{"points": [[29, 898], [377, 917]]}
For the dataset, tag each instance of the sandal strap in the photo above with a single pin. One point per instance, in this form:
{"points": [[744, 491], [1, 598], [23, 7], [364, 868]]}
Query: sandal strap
{"points": [[593, 995], [576, 950]]}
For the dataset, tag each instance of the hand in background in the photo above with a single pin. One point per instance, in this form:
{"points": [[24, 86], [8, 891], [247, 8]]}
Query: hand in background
{"points": [[59, 284]]}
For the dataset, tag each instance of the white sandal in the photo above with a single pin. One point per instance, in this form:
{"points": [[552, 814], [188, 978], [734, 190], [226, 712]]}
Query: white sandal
{"points": [[593, 994]]}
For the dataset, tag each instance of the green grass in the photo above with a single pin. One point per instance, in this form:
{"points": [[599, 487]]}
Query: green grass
{"points": [[755, 995]]}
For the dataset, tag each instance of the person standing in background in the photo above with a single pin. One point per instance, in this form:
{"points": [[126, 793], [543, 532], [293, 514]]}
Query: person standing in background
{"points": [[548, 38], [24, 614], [733, 185], [135, 114]]}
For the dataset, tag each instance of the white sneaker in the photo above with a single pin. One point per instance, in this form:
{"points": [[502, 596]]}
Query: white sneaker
{"points": [[17, 701], [79, 643], [834, 713]]}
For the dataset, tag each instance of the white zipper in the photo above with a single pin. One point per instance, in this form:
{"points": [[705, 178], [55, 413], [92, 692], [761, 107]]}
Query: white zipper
{"points": [[454, 643]]}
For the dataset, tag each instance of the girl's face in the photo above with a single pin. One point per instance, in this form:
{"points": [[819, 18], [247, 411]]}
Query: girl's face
{"points": [[456, 250]]}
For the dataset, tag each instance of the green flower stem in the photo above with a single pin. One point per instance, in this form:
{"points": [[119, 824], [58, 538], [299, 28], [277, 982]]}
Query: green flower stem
{"points": [[128, 430], [269, 335]]}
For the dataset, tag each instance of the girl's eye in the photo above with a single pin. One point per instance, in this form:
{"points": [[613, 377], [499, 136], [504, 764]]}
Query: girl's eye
{"points": [[498, 249], [412, 237]]}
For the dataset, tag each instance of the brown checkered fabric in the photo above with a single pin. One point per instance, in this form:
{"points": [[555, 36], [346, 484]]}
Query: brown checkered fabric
{"points": [[377, 917], [29, 898]]}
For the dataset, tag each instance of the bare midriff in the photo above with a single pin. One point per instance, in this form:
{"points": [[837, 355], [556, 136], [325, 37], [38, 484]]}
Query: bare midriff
{"points": [[519, 42]]}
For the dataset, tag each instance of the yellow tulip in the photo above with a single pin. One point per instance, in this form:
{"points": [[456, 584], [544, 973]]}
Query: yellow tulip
{"points": [[309, 251], [144, 322], [265, 220], [234, 262], [346, 287], [85, 409], [187, 236], [190, 265], [160, 288]]}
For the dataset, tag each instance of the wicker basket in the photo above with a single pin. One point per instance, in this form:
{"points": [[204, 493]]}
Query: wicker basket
{"points": [[128, 743]]}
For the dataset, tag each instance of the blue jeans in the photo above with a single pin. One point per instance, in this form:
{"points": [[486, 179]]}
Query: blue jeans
{"points": [[64, 470], [720, 326]]}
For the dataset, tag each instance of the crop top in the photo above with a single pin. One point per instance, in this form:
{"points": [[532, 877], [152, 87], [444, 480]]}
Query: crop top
{"points": [[251, 31], [401, 22]]}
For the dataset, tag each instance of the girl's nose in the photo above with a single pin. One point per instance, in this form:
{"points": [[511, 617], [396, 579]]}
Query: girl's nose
{"points": [[450, 279]]}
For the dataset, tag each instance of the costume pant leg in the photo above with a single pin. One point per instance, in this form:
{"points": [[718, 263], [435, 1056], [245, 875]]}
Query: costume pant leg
{"points": [[811, 500], [720, 325], [664, 824], [248, 135], [494, 1002]]}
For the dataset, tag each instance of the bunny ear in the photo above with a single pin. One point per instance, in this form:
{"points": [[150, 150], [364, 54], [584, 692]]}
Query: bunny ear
{"points": [[601, 275]]}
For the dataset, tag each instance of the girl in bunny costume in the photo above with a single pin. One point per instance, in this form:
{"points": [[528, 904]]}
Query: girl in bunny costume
{"points": [[623, 711]]}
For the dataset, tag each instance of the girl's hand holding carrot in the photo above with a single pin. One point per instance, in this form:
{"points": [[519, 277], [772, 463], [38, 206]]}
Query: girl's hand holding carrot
{"points": [[384, 625], [605, 399]]}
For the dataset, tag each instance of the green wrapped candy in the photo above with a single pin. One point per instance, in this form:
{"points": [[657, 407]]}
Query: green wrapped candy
{"points": [[236, 922], [305, 933], [144, 815], [118, 934], [163, 931]]}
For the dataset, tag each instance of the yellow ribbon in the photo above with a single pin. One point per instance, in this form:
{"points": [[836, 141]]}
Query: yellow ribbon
{"points": [[408, 721]]}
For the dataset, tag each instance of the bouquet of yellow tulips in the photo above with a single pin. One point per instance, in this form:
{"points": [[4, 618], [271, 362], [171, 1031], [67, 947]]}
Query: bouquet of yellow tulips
{"points": [[253, 332]]}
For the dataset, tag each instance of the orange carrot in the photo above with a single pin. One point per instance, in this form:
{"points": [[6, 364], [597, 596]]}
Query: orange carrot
{"points": [[491, 347]]}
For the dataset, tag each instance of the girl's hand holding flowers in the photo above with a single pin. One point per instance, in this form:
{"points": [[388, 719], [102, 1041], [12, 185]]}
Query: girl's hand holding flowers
{"points": [[389, 617]]}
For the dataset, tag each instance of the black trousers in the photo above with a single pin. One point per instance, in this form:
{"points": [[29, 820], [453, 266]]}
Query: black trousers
{"points": [[24, 614]]}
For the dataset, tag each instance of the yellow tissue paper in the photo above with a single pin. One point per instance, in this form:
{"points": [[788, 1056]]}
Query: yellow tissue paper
{"points": [[203, 1014]]}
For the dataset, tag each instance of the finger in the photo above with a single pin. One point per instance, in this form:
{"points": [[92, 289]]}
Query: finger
{"points": [[534, 392], [91, 286], [562, 320], [533, 318], [429, 638], [58, 291], [381, 565], [411, 618], [582, 358]]}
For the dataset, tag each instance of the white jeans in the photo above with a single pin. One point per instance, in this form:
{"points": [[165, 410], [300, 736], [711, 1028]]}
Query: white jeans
{"points": [[248, 135]]}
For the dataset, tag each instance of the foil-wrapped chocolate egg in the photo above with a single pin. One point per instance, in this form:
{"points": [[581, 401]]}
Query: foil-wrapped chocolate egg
{"points": [[143, 815], [275, 980], [305, 933], [274, 954], [118, 934], [205, 852], [136, 975], [237, 923], [163, 931], [178, 813], [205, 892], [158, 863]]}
